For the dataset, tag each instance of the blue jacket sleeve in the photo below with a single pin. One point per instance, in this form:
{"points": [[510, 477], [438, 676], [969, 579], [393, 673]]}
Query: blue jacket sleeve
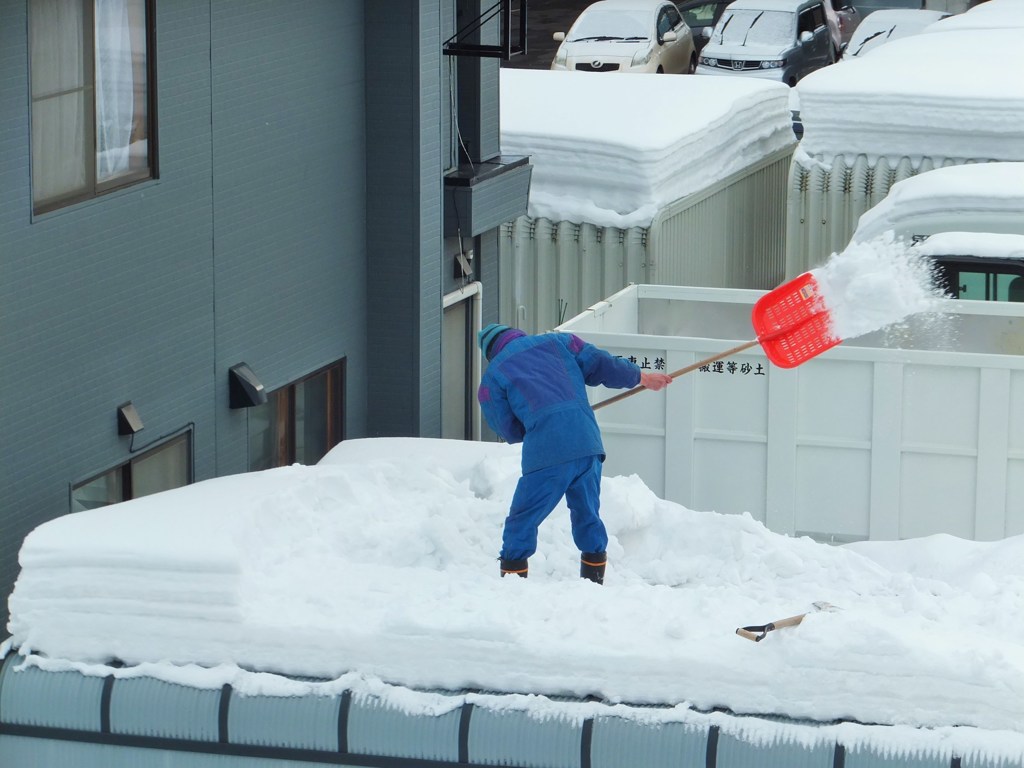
{"points": [[602, 368], [499, 415]]}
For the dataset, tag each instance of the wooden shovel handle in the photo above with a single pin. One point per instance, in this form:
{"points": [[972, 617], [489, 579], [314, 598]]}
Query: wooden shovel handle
{"points": [[692, 367], [757, 633]]}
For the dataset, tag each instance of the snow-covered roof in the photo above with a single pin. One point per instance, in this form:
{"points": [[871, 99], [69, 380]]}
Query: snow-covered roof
{"points": [[957, 95], [381, 563], [991, 14], [981, 245], [974, 197], [614, 149]]}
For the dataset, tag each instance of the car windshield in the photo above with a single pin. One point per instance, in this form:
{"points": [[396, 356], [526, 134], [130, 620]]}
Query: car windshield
{"points": [[742, 27], [869, 38], [610, 25], [701, 15]]}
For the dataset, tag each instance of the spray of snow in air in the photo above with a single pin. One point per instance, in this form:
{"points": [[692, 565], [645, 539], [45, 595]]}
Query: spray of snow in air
{"points": [[875, 284]]}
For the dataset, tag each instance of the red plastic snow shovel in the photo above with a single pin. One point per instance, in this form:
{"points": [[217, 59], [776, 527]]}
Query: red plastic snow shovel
{"points": [[792, 325]]}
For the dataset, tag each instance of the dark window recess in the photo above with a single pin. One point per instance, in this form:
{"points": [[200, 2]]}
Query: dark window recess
{"points": [[981, 279], [300, 422], [93, 122]]}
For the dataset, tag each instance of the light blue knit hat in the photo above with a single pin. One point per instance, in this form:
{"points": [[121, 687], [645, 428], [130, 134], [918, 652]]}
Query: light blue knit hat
{"points": [[488, 335]]}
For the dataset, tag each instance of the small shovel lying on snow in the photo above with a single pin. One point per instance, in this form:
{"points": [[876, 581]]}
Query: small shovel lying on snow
{"points": [[757, 632]]}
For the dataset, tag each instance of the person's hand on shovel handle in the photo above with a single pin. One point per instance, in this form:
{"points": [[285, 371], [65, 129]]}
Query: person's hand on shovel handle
{"points": [[654, 381]]}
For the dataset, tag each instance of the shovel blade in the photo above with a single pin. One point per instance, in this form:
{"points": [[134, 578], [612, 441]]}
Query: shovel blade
{"points": [[792, 322]]}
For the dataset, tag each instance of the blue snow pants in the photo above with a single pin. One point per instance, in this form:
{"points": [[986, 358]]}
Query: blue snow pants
{"points": [[539, 492]]}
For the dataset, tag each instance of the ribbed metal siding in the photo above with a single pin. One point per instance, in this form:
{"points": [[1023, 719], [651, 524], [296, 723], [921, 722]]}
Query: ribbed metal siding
{"points": [[729, 235], [871, 759], [515, 738], [552, 270], [735, 753], [50, 699], [23, 752], [375, 728], [617, 743], [827, 197], [298, 722], [147, 707]]}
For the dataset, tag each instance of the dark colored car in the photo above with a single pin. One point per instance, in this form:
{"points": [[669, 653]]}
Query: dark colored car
{"points": [[701, 16]]}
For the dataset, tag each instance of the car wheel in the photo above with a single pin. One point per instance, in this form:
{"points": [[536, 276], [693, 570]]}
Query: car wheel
{"points": [[791, 82], [693, 64], [660, 71]]}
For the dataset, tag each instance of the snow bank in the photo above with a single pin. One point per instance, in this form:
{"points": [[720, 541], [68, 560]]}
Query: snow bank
{"points": [[380, 563], [982, 245], [963, 197], [991, 14], [956, 95], [612, 150]]}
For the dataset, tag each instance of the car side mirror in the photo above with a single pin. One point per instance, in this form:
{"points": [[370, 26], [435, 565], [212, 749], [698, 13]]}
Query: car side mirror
{"points": [[843, 47], [806, 36], [668, 37], [558, 37], [705, 32]]}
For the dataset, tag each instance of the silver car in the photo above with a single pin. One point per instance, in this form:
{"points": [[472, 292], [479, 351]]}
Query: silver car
{"points": [[773, 39]]}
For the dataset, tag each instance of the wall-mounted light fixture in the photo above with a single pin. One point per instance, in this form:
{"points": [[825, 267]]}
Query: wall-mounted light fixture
{"points": [[128, 421], [244, 389]]}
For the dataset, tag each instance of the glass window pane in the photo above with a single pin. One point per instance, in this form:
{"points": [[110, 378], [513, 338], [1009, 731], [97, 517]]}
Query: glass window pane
{"points": [[162, 468], [263, 435], [58, 146], [973, 285], [103, 490], [121, 144], [56, 34], [311, 419]]}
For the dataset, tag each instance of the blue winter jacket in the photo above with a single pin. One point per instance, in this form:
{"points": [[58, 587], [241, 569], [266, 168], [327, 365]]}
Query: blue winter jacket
{"points": [[535, 392]]}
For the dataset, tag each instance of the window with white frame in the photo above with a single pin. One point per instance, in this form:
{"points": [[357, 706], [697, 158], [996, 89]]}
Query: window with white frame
{"points": [[91, 65]]}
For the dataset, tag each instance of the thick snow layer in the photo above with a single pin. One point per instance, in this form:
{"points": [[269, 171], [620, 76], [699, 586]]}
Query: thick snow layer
{"points": [[956, 95], [991, 14], [973, 197], [613, 150], [379, 565], [982, 245]]}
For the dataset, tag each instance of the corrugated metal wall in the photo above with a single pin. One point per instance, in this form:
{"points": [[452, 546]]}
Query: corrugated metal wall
{"points": [[730, 234], [107, 722], [827, 197]]}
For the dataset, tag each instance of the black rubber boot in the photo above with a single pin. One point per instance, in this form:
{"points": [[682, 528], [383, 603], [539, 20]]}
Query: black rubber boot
{"points": [[518, 567], [592, 566]]}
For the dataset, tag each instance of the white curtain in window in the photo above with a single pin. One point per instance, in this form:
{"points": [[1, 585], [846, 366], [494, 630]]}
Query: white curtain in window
{"points": [[115, 88], [58, 98]]}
